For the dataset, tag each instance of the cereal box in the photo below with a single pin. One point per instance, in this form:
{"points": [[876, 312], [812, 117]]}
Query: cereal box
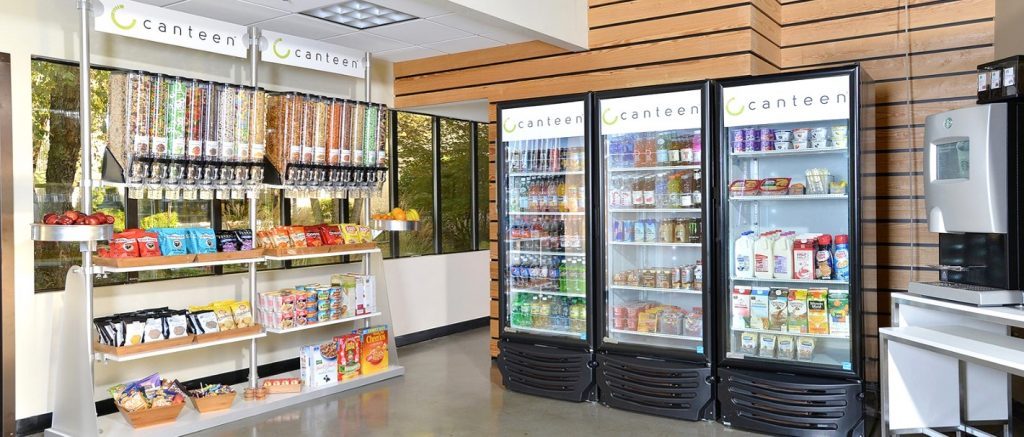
{"points": [[817, 311], [348, 356], [373, 349], [318, 364]]}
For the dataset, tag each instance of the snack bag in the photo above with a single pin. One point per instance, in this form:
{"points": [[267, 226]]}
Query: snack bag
{"points": [[172, 241], [331, 234], [282, 237], [207, 321], [202, 240], [265, 239], [242, 314], [227, 241], [365, 234], [297, 235], [350, 234], [149, 244], [177, 324], [313, 238], [124, 245], [244, 237], [225, 320]]}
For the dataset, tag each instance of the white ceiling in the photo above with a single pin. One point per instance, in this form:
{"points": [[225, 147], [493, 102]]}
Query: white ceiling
{"points": [[440, 28]]}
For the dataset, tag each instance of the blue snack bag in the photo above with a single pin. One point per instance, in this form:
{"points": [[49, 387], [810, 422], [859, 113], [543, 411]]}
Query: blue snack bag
{"points": [[202, 240], [172, 241]]}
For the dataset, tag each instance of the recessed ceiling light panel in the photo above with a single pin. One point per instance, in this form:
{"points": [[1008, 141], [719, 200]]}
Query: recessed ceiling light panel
{"points": [[358, 14]]}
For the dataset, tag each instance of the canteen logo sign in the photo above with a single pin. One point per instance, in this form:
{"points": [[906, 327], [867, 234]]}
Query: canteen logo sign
{"points": [[826, 98], [651, 113], [559, 120], [166, 26], [312, 54]]}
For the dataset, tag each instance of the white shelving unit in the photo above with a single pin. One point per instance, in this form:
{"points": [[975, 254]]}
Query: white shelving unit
{"points": [[795, 197], [74, 410], [810, 282], [656, 334], [662, 168], [321, 324], [656, 290], [789, 152], [660, 210], [642, 243]]}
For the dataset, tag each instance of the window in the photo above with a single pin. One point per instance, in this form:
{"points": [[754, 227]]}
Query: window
{"points": [[456, 191], [234, 214], [174, 214], [483, 189], [416, 180]]}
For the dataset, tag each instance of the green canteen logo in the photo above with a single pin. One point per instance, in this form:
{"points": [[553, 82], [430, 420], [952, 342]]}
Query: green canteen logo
{"points": [[606, 120], [508, 125], [948, 123], [113, 18], [731, 111], [277, 53]]}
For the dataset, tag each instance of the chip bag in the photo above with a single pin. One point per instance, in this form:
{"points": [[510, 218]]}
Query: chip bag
{"points": [[202, 240], [297, 234], [313, 238], [331, 235], [227, 241], [172, 241], [350, 234], [149, 244], [244, 237], [365, 234], [282, 237], [124, 245]]}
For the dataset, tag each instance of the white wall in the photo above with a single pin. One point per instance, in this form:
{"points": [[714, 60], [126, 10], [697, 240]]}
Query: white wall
{"points": [[426, 292], [559, 22], [474, 110]]}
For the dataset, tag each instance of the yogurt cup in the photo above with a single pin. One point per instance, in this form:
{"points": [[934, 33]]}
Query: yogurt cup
{"points": [[749, 134], [737, 135], [801, 134], [819, 134], [798, 144], [783, 135], [783, 145], [767, 135], [819, 144]]}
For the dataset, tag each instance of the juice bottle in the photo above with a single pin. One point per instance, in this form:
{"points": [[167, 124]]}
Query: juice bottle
{"points": [[661, 154], [562, 275], [649, 183], [782, 265], [695, 149], [675, 190], [661, 190], [562, 205], [638, 192], [763, 255], [842, 257], [686, 152], [743, 253], [697, 195], [686, 188]]}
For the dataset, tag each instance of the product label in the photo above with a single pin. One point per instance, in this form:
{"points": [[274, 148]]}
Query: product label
{"points": [[159, 146], [761, 263], [319, 155], [357, 157], [195, 148], [649, 198], [997, 79], [178, 147], [346, 157], [982, 82], [243, 151], [167, 26], [638, 197], [560, 120], [1009, 78], [803, 264], [227, 151], [141, 144], [312, 54], [742, 264], [781, 266]]}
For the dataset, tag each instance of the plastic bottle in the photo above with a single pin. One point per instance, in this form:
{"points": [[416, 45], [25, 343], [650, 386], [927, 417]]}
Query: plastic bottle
{"points": [[743, 262], [763, 255], [842, 257], [824, 263], [562, 276], [782, 264]]}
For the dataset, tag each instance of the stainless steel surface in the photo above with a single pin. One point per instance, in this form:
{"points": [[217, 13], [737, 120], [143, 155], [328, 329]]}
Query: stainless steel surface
{"points": [[883, 382], [979, 202], [6, 248], [395, 225], [71, 233], [951, 268], [968, 294], [85, 132]]}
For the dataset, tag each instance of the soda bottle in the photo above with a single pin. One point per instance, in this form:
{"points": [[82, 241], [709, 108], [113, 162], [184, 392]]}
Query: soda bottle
{"points": [[695, 149], [698, 195], [552, 189], [661, 154], [571, 192], [581, 198], [661, 190], [566, 307], [637, 192], [562, 276], [562, 206]]}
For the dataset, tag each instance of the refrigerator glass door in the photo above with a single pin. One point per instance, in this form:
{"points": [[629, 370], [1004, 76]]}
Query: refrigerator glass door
{"points": [[788, 168], [544, 236], [652, 207]]}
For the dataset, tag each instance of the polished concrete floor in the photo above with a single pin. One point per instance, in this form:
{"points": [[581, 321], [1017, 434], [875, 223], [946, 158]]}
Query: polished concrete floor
{"points": [[451, 388]]}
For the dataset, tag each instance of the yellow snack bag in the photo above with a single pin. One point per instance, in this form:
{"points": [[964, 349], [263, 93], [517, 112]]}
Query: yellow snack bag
{"points": [[242, 314], [225, 320], [350, 233]]}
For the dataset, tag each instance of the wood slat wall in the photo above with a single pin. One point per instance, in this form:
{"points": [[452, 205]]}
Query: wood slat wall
{"points": [[921, 53]]}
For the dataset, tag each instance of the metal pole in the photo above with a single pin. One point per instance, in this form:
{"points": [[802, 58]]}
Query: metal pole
{"points": [[366, 201], [85, 133], [253, 195]]}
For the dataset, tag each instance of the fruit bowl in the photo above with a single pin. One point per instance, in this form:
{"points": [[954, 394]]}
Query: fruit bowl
{"points": [[71, 233], [394, 225]]}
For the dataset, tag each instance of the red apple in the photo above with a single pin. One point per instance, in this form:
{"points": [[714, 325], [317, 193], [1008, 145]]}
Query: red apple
{"points": [[92, 221], [65, 221], [50, 218], [109, 220], [80, 220], [72, 214]]}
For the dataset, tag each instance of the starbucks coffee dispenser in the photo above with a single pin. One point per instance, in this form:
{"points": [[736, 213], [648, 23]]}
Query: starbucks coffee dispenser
{"points": [[974, 196]]}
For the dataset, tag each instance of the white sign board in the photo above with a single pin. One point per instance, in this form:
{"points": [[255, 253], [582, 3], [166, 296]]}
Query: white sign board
{"points": [[651, 113], [312, 54], [826, 98], [152, 23], [559, 120]]}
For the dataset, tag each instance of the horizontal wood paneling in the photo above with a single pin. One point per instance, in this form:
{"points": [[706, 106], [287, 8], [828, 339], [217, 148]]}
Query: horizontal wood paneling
{"points": [[821, 9], [717, 20], [512, 52], [644, 10]]}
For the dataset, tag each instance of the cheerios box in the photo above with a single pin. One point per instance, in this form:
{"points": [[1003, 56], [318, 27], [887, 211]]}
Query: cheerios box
{"points": [[318, 364], [373, 349]]}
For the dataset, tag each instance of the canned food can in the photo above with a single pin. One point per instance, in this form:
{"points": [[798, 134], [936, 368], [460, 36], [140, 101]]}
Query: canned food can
{"points": [[311, 319], [323, 293], [617, 234], [323, 305], [334, 314]]}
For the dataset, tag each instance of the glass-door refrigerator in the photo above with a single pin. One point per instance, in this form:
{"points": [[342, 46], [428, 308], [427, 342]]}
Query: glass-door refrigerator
{"points": [[790, 290], [545, 345], [652, 301]]}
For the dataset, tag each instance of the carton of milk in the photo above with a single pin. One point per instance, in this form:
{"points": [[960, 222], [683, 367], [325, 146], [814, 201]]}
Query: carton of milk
{"points": [[759, 318]]}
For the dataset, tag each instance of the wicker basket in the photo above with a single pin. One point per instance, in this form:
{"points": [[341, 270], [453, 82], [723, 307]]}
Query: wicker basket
{"points": [[152, 416], [213, 403]]}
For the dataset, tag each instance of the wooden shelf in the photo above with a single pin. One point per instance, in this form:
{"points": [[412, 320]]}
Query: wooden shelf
{"points": [[164, 347]]}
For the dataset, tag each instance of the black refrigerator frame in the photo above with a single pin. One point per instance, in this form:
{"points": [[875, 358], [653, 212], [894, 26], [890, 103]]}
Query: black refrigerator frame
{"points": [[557, 354], [656, 364], [793, 376]]}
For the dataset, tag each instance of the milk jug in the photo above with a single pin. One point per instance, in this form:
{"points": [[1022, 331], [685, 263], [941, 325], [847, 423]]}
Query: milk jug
{"points": [[782, 265], [743, 262], [763, 257]]}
